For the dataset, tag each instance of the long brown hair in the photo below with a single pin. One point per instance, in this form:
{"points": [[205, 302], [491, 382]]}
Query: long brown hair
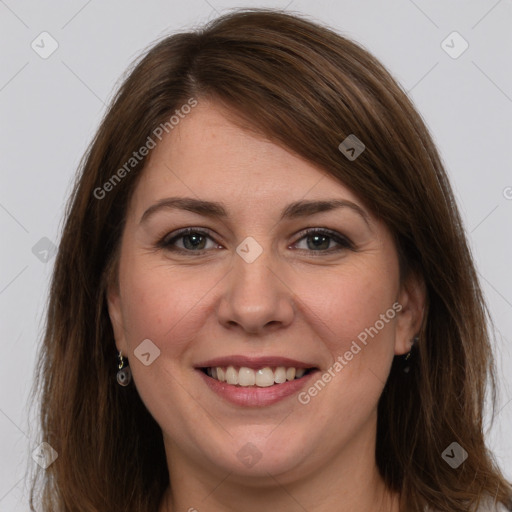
{"points": [[307, 88]]}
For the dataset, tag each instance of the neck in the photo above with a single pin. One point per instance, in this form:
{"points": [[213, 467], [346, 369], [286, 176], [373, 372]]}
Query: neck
{"points": [[374, 497], [347, 481]]}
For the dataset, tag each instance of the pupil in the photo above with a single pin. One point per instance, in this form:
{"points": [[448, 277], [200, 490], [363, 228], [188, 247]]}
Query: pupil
{"points": [[189, 237], [324, 238]]}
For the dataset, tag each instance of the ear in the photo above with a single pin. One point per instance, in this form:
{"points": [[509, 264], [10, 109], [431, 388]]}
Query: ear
{"points": [[116, 317], [412, 298]]}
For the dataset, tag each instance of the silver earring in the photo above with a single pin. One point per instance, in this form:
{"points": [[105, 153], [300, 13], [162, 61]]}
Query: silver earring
{"points": [[407, 358], [124, 374]]}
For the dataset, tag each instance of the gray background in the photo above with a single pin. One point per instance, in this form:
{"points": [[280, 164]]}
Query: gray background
{"points": [[50, 109]]}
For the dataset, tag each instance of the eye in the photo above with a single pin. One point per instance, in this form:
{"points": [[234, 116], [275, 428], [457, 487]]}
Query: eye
{"points": [[191, 239], [195, 240], [321, 240]]}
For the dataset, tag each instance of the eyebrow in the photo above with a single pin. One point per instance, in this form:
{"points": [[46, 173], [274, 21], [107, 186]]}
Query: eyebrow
{"points": [[217, 210]]}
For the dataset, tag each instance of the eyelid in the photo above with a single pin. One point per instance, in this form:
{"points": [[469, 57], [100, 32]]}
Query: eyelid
{"points": [[343, 241], [164, 242]]}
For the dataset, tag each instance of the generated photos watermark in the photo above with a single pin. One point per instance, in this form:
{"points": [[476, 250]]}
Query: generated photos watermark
{"points": [[343, 360], [143, 151]]}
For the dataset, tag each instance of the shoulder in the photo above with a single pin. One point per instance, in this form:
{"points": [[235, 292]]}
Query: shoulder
{"points": [[490, 506], [486, 506], [496, 508]]}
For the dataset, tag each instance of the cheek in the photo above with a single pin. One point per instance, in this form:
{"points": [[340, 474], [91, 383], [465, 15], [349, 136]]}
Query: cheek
{"points": [[356, 324], [350, 303], [163, 303], [353, 315]]}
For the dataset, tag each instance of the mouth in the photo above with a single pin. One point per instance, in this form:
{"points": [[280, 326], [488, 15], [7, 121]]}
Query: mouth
{"points": [[264, 377], [249, 381]]}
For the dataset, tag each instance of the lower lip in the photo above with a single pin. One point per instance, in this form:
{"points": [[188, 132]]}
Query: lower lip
{"points": [[256, 396]]}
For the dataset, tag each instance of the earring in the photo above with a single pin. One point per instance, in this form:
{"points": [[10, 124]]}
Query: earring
{"points": [[124, 374], [407, 364]]}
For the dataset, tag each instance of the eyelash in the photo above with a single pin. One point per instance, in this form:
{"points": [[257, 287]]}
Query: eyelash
{"points": [[167, 243]]}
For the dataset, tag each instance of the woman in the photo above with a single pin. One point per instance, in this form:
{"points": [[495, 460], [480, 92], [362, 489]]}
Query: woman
{"points": [[263, 297]]}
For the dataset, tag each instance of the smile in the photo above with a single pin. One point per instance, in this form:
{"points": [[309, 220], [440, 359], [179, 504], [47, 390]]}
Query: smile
{"points": [[249, 377], [256, 381]]}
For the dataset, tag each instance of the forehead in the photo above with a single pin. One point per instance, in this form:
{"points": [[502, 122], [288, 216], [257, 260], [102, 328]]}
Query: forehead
{"points": [[209, 156]]}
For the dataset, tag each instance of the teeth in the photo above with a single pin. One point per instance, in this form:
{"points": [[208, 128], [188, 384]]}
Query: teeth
{"points": [[231, 375], [280, 375], [290, 373], [264, 377], [246, 377]]}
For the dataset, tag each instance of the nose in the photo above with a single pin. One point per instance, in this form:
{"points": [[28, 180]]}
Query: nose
{"points": [[256, 299]]}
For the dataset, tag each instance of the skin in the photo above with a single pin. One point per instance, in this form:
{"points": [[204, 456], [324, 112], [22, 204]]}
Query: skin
{"points": [[294, 300]]}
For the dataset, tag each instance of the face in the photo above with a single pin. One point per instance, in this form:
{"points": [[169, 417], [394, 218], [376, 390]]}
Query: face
{"points": [[263, 287]]}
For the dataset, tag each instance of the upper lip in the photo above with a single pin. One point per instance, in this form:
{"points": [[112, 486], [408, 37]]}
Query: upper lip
{"points": [[254, 362]]}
